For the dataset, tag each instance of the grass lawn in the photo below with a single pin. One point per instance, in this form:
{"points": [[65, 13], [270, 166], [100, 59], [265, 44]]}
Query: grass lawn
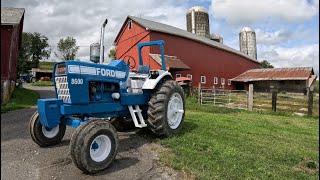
{"points": [[220, 143], [42, 83], [21, 98]]}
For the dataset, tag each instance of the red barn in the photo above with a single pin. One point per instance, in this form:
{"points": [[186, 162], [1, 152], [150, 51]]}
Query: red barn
{"points": [[11, 31], [199, 58]]}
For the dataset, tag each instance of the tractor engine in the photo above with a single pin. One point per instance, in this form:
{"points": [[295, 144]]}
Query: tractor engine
{"points": [[80, 82]]}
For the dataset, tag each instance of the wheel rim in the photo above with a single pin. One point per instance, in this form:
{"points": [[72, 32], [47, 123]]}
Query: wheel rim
{"points": [[100, 148], [50, 133], [175, 110]]}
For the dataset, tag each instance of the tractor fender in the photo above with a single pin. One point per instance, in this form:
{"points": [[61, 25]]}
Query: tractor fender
{"points": [[152, 83]]}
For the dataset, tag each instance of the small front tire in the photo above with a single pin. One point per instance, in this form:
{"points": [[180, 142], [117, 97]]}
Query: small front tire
{"points": [[43, 136], [94, 146]]}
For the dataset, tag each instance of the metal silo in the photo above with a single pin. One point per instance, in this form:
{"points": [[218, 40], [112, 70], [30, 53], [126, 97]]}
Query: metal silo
{"points": [[216, 37], [198, 21], [247, 42], [95, 52]]}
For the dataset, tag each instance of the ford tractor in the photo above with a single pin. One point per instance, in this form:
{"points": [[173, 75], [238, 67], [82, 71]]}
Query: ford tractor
{"points": [[97, 99]]}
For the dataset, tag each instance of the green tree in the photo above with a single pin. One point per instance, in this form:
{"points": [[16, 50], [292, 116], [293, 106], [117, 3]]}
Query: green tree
{"points": [[67, 48], [112, 53], [34, 47], [266, 64]]}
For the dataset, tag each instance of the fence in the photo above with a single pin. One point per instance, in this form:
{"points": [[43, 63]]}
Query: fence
{"points": [[296, 103], [226, 98]]}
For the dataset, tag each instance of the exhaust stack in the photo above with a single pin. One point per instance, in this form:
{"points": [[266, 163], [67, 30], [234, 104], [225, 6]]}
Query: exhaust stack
{"points": [[102, 41]]}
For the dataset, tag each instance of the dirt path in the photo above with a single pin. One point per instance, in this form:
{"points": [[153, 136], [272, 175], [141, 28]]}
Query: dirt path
{"points": [[21, 158]]}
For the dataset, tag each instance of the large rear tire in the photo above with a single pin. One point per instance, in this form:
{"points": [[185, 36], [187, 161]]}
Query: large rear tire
{"points": [[43, 136], [94, 146], [166, 109]]}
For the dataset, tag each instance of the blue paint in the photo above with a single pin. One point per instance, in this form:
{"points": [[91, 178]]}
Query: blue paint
{"points": [[159, 43], [90, 87]]}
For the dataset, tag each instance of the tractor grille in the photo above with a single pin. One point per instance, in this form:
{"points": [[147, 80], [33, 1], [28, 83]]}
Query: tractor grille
{"points": [[62, 89]]}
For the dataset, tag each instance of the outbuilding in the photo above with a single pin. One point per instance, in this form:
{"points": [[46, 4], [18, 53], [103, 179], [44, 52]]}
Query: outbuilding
{"points": [[11, 32], [297, 79], [203, 60]]}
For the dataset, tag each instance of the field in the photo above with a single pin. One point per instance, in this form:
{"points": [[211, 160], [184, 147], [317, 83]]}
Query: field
{"points": [[221, 143], [42, 83], [287, 103], [21, 98]]}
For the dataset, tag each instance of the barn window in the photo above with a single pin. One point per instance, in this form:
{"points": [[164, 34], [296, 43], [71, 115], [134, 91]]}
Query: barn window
{"points": [[203, 79], [222, 81], [229, 82], [189, 76], [178, 75], [130, 24], [215, 80]]}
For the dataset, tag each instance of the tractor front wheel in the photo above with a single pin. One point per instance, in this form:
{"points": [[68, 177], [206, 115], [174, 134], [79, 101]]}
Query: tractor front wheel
{"points": [[94, 146], [166, 109], [44, 136]]}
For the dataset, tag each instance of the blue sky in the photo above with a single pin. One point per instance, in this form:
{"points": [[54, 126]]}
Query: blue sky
{"points": [[287, 30]]}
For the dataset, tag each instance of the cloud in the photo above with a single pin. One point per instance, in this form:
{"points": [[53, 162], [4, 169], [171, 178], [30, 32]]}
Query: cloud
{"points": [[82, 19], [285, 35], [252, 11], [306, 56]]}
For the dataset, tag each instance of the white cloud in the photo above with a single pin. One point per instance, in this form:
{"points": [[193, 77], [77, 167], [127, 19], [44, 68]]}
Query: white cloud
{"points": [[251, 11], [305, 56], [285, 35], [82, 19]]}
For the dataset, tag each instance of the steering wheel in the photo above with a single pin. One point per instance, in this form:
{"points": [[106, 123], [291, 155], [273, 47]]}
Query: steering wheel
{"points": [[130, 61]]}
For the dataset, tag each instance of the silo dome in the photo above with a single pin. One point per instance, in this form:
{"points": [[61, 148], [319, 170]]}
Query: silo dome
{"points": [[246, 29], [197, 9]]}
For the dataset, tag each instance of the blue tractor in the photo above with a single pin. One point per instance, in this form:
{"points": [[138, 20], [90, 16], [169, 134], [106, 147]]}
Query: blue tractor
{"points": [[97, 99]]}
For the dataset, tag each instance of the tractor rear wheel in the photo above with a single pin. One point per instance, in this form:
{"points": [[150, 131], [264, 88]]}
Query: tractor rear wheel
{"points": [[166, 109], [43, 136], [94, 146]]}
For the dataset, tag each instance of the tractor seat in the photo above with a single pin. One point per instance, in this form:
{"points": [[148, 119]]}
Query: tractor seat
{"points": [[143, 69]]}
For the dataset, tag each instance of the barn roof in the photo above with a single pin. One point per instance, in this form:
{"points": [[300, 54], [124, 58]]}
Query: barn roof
{"points": [[11, 16], [171, 61], [297, 73], [164, 28]]}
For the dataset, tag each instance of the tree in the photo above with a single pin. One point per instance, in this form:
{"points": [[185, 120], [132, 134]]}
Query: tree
{"points": [[34, 47], [112, 53], [67, 48], [266, 64]]}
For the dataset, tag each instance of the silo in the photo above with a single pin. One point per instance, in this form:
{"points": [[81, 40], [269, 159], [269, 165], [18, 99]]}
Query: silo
{"points": [[216, 37], [247, 42], [95, 52], [198, 21]]}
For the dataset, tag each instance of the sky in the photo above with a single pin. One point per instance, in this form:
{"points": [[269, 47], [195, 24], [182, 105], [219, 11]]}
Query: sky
{"points": [[287, 30]]}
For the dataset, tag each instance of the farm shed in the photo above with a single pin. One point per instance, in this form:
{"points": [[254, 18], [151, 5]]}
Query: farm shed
{"points": [[208, 62], [296, 79], [11, 32]]}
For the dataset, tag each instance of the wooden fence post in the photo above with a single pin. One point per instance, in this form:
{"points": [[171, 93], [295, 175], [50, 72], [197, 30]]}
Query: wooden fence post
{"points": [[274, 92], [250, 97], [199, 93], [310, 100]]}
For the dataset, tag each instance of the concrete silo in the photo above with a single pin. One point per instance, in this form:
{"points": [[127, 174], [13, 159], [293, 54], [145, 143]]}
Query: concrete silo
{"points": [[247, 42], [198, 21]]}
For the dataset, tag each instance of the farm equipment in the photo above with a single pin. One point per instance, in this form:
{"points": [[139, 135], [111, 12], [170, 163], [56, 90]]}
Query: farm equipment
{"points": [[98, 99]]}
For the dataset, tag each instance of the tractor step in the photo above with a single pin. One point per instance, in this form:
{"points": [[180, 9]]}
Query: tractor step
{"points": [[138, 123]]}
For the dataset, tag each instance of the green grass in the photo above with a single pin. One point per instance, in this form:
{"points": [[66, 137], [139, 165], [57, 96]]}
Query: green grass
{"points": [[42, 83], [220, 143], [21, 98], [46, 65]]}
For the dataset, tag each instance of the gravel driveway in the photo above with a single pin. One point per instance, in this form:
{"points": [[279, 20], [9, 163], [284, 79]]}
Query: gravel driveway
{"points": [[21, 158]]}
